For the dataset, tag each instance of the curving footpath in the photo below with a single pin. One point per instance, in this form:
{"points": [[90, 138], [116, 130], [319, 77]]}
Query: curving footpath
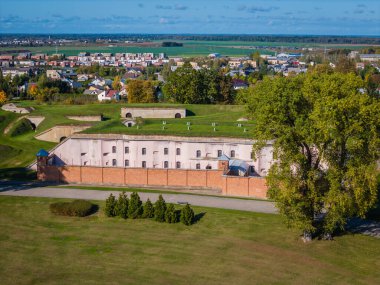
{"points": [[34, 190]]}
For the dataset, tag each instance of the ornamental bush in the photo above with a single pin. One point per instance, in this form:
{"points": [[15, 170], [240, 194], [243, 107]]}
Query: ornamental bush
{"points": [[160, 209], [121, 207], [187, 215], [78, 208], [148, 210], [171, 214], [110, 206], [135, 206]]}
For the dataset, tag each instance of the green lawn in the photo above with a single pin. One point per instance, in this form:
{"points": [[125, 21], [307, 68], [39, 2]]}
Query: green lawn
{"points": [[224, 247], [19, 151]]}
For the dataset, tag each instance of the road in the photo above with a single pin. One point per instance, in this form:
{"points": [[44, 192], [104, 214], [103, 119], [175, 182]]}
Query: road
{"points": [[38, 190]]}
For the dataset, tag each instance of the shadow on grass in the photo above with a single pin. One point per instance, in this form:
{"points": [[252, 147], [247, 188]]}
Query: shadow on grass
{"points": [[17, 173], [189, 113], [198, 217]]}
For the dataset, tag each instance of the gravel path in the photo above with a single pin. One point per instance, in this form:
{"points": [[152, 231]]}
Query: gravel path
{"points": [[32, 190]]}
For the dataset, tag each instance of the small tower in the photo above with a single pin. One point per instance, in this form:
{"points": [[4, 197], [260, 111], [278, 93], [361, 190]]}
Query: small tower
{"points": [[42, 158], [223, 163]]}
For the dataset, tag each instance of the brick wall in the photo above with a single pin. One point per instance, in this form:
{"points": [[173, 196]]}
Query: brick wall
{"points": [[214, 179], [245, 186]]}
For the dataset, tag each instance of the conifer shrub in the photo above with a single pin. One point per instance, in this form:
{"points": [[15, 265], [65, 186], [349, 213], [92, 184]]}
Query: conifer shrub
{"points": [[187, 215], [121, 207], [110, 206], [171, 214], [148, 210], [78, 208], [135, 209], [160, 209]]}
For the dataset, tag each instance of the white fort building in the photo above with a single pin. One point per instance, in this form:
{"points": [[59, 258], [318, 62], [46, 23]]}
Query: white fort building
{"points": [[149, 151]]}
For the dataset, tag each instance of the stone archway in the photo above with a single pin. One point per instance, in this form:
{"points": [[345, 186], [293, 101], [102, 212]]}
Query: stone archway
{"points": [[128, 115], [177, 116]]}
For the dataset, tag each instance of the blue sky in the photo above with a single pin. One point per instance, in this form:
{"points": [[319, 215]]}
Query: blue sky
{"points": [[322, 17]]}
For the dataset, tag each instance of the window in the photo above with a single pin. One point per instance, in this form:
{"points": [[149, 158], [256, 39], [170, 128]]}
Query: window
{"points": [[198, 166], [126, 163], [232, 153], [166, 164], [178, 151], [166, 150], [220, 153], [198, 153], [114, 149], [143, 164], [143, 151], [114, 162], [208, 167], [178, 164], [126, 149]]}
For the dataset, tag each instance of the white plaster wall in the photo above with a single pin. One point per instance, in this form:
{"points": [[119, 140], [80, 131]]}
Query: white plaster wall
{"points": [[98, 152], [153, 112]]}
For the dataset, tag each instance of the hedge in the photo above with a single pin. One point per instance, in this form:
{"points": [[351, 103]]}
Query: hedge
{"points": [[78, 208]]}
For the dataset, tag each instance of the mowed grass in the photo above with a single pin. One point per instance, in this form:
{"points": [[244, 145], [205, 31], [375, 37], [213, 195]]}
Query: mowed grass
{"points": [[223, 247], [21, 149]]}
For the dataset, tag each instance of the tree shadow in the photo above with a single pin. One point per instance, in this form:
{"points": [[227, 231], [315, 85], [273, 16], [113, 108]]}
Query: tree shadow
{"points": [[189, 113], [198, 217], [94, 210]]}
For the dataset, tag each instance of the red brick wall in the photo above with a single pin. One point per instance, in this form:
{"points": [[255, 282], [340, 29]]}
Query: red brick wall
{"points": [[91, 175], [136, 176], [214, 179], [158, 177], [245, 186], [113, 176], [258, 187], [197, 178], [48, 173], [234, 186], [70, 174], [177, 177]]}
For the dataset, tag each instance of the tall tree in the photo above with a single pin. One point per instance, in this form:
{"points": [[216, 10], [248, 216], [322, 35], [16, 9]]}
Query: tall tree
{"points": [[116, 85], [326, 143]]}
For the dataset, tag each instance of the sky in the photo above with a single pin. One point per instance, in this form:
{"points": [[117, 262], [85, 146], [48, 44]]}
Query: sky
{"points": [[303, 17]]}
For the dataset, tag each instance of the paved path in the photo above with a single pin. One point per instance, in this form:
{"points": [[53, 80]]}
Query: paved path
{"points": [[33, 190]]}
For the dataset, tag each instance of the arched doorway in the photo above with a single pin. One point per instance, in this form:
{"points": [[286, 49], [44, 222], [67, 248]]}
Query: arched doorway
{"points": [[177, 116], [128, 115], [62, 139], [33, 126]]}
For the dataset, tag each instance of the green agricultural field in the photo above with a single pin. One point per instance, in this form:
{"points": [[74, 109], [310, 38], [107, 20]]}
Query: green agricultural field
{"points": [[189, 49], [20, 150], [223, 247]]}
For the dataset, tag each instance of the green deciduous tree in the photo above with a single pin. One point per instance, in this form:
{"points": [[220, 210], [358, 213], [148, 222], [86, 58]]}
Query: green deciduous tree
{"points": [[187, 215], [135, 206], [148, 211], [109, 210], [160, 209], [189, 86], [326, 143]]}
